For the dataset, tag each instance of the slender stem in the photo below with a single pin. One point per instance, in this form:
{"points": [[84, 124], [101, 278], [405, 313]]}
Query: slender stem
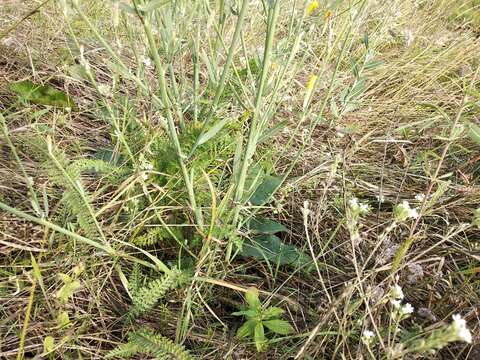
{"points": [[77, 187], [226, 69], [26, 321], [172, 131], [254, 131]]}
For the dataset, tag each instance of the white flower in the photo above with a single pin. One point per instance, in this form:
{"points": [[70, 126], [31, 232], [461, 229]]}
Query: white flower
{"points": [[396, 303], [364, 208], [353, 202], [420, 197], [367, 336], [403, 212], [406, 309], [396, 292], [358, 207], [380, 198], [145, 166], [459, 325], [413, 213], [147, 62], [104, 89]]}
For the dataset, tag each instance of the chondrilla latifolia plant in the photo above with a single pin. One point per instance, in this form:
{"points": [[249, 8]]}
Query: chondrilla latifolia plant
{"points": [[259, 318]]}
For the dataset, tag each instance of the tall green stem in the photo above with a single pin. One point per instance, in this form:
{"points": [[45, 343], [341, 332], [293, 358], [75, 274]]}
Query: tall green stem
{"points": [[254, 131]]}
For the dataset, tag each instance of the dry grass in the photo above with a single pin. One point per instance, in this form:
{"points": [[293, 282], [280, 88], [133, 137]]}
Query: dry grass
{"points": [[388, 148]]}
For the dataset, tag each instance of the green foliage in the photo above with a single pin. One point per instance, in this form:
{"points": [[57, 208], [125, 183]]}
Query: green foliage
{"points": [[474, 132], [259, 318], [155, 235], [67, 175], [123, 351], [145, 298], [145, 341], [271, 248], [135, 280], [68, 289], [41, 94], [265, 190], [48, 344], [265, 226]]}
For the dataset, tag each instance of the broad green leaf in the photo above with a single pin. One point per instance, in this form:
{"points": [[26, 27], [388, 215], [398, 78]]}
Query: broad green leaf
{"points": [[273, 312], [247, 329], [64, 277], [41, 94], [278, 326], [250, 313], [252, 299], [254, 179], [63, 319], [271, 248], [259, 336], [474, 132], [48, 344], [212, 132], [67, 290], [109, 156], [265, 190], [357, 89], [265, 226]]}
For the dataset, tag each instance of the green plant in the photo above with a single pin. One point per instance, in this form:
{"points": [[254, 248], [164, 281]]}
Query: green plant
{"points": [[144, 298], [145, 341], [259, 318]]}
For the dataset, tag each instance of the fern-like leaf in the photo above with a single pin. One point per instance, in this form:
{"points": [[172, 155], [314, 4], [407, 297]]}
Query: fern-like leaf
{"points": [[124, 351], [96, 165], [145, 298], [135, 279], [158, 345], [74, 202], [155, 235], [76, 198]]}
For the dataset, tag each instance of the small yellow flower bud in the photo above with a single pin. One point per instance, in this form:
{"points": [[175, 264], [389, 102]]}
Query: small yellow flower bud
{"points": [[312, 7]]}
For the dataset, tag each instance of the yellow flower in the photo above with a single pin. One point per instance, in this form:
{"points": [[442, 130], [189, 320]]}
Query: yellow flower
{"points": [[312, 7], [328, 14], [311, 82]]}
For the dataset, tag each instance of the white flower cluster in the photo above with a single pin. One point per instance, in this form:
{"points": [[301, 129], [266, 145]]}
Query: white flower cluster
{"points": [[368, 336], [145, 166], [357, 207], [396, 294], [420, 197], [459, 327], [403, 212]]}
